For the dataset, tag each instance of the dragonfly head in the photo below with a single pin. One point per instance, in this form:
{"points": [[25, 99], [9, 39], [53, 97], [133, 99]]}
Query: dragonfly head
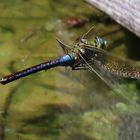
{"points": [[100, 43]]}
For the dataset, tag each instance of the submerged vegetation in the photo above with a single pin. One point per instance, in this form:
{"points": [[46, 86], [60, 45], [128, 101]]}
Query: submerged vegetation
{"points": [[62, 104]]}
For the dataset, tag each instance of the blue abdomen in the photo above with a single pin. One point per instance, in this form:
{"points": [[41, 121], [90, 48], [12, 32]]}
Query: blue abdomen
{"points": [[65, 60]]}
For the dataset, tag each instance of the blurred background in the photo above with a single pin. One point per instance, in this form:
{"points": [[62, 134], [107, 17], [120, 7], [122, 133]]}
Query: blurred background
{"points": [[61, 104]]}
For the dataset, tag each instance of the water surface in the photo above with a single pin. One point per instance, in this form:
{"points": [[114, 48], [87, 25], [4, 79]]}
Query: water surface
{"points": [[61, 104]]}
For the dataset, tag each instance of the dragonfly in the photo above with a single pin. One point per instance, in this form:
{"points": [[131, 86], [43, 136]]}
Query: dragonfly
{"points": [[85, 54]]}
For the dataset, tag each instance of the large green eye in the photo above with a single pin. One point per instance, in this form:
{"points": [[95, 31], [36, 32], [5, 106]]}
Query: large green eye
{"points": [[101, 43]]}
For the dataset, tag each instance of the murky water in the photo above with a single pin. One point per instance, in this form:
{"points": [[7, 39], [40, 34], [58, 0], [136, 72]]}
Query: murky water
{"points": [[61, 104]]}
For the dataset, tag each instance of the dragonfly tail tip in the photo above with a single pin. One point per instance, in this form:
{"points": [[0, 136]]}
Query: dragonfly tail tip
{"points": [[2, 81]]}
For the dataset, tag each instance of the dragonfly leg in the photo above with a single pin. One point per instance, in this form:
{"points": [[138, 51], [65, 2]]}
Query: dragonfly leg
{"points": [[80, 68], [77, 64], [83, 66]]}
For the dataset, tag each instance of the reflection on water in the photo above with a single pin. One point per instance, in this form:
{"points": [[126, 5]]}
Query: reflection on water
{"points": [[61, 104]]}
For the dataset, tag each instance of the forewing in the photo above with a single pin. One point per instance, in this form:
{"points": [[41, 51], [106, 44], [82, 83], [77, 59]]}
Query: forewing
{"points": [[116, 82], [115, 65]]}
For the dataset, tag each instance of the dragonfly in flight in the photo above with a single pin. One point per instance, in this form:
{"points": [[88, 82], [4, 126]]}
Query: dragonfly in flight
{"points": [[86, 54]]}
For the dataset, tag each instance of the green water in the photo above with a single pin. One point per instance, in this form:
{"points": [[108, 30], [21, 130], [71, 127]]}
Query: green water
{"points": [[61, 104]]}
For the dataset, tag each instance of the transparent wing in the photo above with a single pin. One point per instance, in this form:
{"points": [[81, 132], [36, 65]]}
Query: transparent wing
{"points": [[115, 73], [115, 65]]}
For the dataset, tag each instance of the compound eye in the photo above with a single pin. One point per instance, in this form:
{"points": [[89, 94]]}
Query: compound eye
{"points": [[102, 43]]}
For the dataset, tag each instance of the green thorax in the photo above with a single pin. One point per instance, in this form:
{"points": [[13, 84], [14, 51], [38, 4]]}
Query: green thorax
{"points": [[80, 46]]}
